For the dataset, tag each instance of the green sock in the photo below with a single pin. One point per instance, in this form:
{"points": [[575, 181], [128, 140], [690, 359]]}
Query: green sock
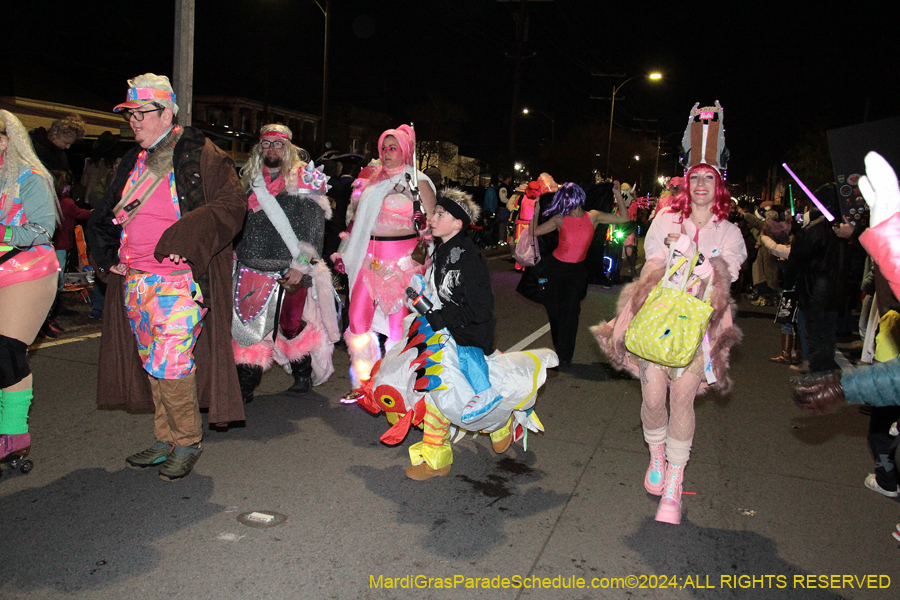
{"points": [[15, 412], [1, 410]]}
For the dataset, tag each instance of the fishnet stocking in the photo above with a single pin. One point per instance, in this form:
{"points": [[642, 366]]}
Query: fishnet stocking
{"points": [[681, 405], [654, 384], [675, 426]]}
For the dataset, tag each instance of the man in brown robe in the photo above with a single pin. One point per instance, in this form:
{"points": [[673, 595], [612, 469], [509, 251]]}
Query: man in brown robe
{"points": [[162, 237]]}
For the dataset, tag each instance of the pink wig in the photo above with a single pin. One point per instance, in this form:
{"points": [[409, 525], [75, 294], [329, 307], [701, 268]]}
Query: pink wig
{"points": [[406, 139], [721, 197]]}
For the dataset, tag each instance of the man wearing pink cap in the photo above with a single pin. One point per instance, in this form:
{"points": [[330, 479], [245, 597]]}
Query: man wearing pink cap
{"points": [[162, 237]]}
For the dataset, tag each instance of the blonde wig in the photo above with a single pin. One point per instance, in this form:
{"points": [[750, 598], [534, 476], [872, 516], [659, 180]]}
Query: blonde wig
{"points": [[294, 159], [19, 156]]}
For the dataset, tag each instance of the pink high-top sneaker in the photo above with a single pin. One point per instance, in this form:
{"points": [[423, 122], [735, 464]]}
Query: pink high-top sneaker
{"points": [[654, 480], [669, 510]]}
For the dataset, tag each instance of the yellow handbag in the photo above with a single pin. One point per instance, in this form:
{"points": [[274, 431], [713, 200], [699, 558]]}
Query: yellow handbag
{"points": [[670, 325]]}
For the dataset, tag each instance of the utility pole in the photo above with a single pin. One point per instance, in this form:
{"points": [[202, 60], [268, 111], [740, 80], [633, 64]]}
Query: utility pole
{"points": [[325, 11], [183, 68], [521, 37]]}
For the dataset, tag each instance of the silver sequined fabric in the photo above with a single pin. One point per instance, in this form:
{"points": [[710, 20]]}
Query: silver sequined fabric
{"points": [[262, 248]]}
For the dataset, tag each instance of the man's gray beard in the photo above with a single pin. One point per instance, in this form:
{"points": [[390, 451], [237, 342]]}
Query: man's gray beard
{"points": [[272, 162]]}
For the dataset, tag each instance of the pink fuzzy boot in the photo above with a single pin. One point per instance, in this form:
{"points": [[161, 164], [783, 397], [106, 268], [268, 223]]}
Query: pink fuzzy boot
{"points": [[669, 510], [654, 480]]}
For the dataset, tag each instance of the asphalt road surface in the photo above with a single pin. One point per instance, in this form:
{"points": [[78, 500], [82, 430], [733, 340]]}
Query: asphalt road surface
{"points": [[777, 506]]}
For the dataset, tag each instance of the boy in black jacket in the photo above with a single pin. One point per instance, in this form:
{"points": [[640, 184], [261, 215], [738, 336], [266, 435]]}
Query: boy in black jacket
{"points": [[465, 307], [462, 281]]}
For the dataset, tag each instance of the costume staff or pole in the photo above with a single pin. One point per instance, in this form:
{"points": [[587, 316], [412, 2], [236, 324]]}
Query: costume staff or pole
{"points": [[420, 254], [413, 181]]}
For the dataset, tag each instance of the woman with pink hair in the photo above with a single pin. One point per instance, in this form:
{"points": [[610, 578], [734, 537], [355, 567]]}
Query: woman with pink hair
{"points": [[695, 221], [384, 228]]}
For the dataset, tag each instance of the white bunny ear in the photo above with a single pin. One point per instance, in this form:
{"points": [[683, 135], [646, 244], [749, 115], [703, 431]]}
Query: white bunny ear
{"points": [[881, 174], [880, 188]]}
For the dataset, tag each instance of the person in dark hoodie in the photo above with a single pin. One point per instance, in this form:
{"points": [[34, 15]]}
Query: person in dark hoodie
{"points": [[816, 263]]}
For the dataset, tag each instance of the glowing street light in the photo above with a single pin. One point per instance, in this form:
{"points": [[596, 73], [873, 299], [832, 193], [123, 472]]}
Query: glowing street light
{"points": [[636, 157], [655, 76], [527, 111]]}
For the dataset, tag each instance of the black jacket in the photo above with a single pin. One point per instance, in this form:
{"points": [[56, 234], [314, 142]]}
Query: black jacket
{"points": [[463, 282], [816, 260]]}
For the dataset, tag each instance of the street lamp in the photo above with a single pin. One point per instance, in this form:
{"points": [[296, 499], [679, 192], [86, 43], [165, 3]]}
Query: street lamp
{"points": [[526, 111], [612, 109]]}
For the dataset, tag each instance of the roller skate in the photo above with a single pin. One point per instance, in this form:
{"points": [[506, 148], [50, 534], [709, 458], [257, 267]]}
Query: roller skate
{"points": [[14, 449]]}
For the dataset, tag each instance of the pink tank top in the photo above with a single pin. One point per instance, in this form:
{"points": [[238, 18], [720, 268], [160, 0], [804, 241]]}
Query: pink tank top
{"points": [[142, 233], [526, 210], [575, 237]]}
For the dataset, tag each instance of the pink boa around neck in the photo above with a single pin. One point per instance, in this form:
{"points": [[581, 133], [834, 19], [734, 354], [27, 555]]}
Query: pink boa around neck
{"points": [[274, 188]]}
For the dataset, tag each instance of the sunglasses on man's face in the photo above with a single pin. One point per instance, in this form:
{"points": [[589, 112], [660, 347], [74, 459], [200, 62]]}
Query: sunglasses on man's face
{"points": [[276, 144]]}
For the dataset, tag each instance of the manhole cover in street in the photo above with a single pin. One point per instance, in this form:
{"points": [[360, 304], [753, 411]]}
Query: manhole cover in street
{"points": [[261, 519]]}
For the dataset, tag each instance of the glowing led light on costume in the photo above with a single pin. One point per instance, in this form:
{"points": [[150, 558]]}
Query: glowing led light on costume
{"points": [[363, 369], [812, 197]]}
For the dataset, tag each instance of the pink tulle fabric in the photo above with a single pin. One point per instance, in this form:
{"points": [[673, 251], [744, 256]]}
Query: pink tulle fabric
{"points": [[387, 271]]}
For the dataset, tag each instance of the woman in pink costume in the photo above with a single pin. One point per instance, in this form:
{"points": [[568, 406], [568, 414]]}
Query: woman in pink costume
{"points": [[378, 252], [697, 218], [525, 205], [29, 214]]}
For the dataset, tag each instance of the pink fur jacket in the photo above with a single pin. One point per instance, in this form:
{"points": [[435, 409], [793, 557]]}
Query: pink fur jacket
{"points": [[723, 333]]}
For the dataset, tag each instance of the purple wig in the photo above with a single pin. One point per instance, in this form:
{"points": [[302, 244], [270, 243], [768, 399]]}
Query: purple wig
{"points": [[569, 197]]}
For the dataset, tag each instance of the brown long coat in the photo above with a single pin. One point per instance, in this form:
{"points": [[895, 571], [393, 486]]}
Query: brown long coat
{"points": [[203, 236]]}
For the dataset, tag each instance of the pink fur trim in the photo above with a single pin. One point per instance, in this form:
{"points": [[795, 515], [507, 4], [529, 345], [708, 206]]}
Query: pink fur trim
{"points": [[259, 354], [287, 351]]}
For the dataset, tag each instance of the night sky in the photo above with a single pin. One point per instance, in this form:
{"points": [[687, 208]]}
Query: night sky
{"points": [[781, 70]]}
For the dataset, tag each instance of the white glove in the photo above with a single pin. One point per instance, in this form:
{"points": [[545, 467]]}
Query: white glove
{"points": [[879, 188]]}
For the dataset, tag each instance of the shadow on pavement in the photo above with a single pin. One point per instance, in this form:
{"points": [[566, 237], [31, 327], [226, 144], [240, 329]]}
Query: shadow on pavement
{"points": [[816, 430], [275, 416], [92, 527], [707, 554], [465, 513]]}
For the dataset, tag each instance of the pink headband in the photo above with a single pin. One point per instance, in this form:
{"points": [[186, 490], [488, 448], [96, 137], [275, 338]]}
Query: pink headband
{"points": [[276, 133]]}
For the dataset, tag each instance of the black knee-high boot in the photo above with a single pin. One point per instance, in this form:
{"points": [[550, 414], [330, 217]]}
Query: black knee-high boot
{"points": [[302, 372], [249, 377]]}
